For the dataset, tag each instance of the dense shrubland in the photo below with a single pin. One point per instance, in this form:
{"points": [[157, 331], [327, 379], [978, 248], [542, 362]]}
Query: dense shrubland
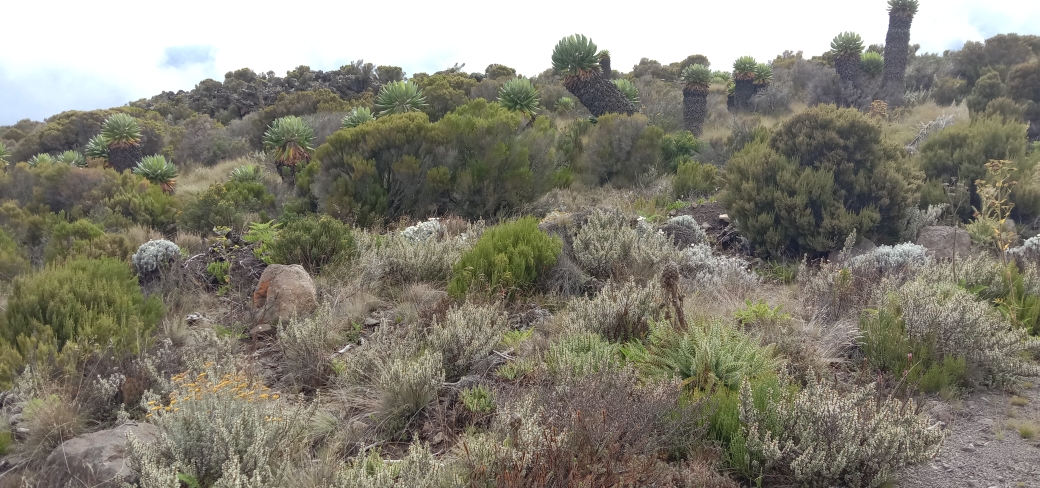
{"points": [[526, 281]]}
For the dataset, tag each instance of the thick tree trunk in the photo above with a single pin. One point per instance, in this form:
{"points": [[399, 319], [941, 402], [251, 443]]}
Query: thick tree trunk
{"points": [[897, 50], [599, 95], [604, 64], [742, 93], [852, 94], [695, 108], [124, 158]]}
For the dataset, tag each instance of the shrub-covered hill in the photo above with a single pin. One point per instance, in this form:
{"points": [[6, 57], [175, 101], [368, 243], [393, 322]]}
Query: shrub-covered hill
{"points": [[785, 274]]}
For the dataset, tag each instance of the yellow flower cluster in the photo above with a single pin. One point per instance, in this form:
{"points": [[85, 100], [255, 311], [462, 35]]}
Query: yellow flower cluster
{"points": [[198, 387]]}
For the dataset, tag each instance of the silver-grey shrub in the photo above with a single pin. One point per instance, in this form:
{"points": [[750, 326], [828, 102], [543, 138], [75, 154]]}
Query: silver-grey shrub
{"points": [[466, 335], [153, 255], [418, 469], [823, 436], [961, 325], [609, 246], [702, 269], [620, 311]]}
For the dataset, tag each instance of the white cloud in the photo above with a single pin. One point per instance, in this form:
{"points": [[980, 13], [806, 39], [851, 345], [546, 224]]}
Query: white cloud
{"points": [[124, 43]]}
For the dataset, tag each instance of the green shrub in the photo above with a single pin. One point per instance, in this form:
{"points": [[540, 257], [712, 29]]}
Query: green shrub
{"points": [[225, 205], [314, 242], [961, 152], [13, 259], [679, 147], [582, 353], [508, 258], [694, 179], [946, 91], [86, 302], [824, 173], [987, 89], [620, 150], [83, 238]]}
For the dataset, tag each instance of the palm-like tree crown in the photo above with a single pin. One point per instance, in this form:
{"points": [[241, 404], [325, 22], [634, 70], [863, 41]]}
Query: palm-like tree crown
{"points": [[519, 95], [121, 130], [721, 76], [904, 7], [42, 158], [603, 54], [358, 116], [873, 63], [847, 44], [628, 89], [763, 74], [97, 148], [697, 75], [744, 68], [157, 170], [399, 97], [72, 158], [575, 55], [290, 139]]}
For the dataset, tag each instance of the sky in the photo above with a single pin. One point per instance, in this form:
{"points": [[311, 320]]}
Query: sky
{"points": [[57, 56]]}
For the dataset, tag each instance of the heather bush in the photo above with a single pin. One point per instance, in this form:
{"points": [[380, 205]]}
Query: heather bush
{"points": [[577, 354], [13, 259], [607, 245], [823, 173], [987, 89], [619, 151], [619, 312], [960, 325], [417, 469], [694, 179], [217, 428], [314, 242], [912, 363], [203, 140], [961, 151], [465, 336], [869, 436], [225, 205], [78, 305], [82, 238], [508, 258], [604, 429]]}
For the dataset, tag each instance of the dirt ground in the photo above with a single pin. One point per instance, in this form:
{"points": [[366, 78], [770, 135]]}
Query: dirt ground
{"points": [[994, 441]]}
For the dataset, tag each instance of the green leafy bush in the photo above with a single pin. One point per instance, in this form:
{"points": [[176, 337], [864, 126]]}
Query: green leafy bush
{"points": [[13, 259], [620, 149], [987, 89], [824, 173], [694, 179], [225, 205], [508, 258], [312, 242], [86, 302], [961, 152]]}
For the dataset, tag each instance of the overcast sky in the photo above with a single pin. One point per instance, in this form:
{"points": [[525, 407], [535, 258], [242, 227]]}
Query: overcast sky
{"points": [[57, 56]]}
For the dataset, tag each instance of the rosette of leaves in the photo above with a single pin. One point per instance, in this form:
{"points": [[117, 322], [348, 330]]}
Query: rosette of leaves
{"points": [[576, 57], [97, 148], [399, 97], [42, 158], [697, 79], [847, 49], [358, 116], [123, 135], [159, 171], [763, 74], [249, 173], [744, 78], [72, 158], [290, 141], [519, 95], [872, 64], [628, 89]]}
